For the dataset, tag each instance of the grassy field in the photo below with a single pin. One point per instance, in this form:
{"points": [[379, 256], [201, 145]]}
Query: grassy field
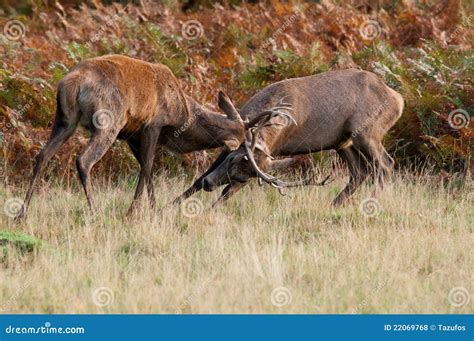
{"points": [[407, 251]]}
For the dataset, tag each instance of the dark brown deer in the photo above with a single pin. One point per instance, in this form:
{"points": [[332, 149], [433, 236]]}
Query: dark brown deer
{"points": [[347, 110], [120, 97]]}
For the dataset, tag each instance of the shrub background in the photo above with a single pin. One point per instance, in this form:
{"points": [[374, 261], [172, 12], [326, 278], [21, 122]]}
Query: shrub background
{"points": [[423, 50]]}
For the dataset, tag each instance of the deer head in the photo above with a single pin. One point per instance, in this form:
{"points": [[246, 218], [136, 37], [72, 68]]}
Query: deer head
{"points": [[253, 158]]}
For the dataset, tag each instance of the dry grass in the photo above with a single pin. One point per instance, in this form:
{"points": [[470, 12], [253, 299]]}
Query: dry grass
{"points": [[230, 260]]}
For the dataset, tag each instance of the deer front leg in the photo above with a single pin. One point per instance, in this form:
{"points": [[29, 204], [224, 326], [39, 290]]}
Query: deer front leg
{"points": [[229, 191], [197, 185]]}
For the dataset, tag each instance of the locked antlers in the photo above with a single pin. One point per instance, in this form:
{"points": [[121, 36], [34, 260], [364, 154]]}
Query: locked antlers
{"points": [[254, 127]]}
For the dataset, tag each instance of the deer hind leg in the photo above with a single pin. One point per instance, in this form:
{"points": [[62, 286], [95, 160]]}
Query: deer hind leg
{"points": [[148, 140], [63, 128], [101, 141], [358, 172], [381, 162], [389, 163]]}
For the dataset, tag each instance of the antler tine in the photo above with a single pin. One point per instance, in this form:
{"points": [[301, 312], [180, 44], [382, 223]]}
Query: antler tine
{"points": [[278, 183], [310, 182], [262, 120], [283, 107], [275, 182], [266, 115], [259, 124], [286, 115], [254, 132], [263, 115]]}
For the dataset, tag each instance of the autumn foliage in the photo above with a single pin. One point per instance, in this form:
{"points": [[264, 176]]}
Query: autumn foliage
{"points": [[423, 49]]}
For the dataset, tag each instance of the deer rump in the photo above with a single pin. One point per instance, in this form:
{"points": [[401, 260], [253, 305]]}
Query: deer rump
{"points": [[346, 110]]}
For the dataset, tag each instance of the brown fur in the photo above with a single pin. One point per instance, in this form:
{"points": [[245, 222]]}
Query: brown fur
{"points": [[143, 104], [347, 110]]}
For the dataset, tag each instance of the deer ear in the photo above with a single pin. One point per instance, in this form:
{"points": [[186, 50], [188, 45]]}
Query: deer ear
{"points": [[280, 164], [225, 104], [232, 144]]}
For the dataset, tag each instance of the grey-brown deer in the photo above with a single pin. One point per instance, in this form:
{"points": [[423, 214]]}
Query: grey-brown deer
{"points": [[347, 110], [120, 97]]}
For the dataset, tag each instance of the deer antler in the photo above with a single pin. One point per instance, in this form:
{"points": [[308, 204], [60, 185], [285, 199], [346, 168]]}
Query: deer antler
{"points": [[263, 119], [259, 122], [278, 183]]}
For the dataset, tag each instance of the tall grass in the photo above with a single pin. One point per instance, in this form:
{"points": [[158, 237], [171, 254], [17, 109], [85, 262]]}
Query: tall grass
{"points": [[259, 253]]}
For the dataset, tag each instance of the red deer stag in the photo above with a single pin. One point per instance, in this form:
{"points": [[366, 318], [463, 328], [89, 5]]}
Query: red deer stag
{"points": [[347, 110], [120, 97]]}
